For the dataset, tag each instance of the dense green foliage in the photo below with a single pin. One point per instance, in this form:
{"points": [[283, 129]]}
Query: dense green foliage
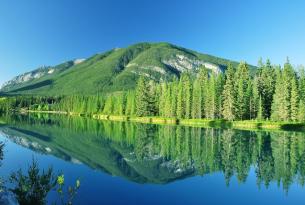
{"points": [[271, 93]]}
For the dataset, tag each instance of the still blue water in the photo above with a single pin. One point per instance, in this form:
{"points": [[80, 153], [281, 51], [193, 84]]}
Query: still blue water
{"points": [[115, 167]]}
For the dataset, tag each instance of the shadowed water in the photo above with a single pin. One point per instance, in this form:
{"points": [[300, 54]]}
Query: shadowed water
{"points": [[131, 163]]}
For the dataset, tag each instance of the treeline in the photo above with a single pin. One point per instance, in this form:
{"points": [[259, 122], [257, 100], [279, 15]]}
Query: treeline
{"points": [[273, 92]]}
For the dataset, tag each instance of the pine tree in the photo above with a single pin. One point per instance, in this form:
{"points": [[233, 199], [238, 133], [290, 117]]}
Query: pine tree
{"points": [[187, 96], [255, 101], [218, 94], [196, 102], [152, 98], [250, 102], [162, 96], [288, 77], [174, 88], [302, 84], [130, 103], [260, 109], [277, 103], [301, 113], [281, 98], [180, 104], [241, 86], [228, 94], [109, 104], [167, 104], [266, 86], [294, 100], [142, 98], [210, 98], [203, 80]]}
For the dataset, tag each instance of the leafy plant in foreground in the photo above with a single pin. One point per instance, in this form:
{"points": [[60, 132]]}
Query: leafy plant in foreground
{"points": [[71, 192], [33, 187]]}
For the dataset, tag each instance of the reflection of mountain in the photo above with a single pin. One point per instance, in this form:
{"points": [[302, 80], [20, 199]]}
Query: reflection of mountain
{"points": [[161, 154], [70, 141]]}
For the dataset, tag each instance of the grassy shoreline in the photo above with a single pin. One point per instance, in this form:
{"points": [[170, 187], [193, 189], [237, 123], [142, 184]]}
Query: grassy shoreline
{"points": [[244, 125], [218, 123]]}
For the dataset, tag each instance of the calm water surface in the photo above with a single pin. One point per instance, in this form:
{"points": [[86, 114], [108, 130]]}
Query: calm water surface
{"points": [[129, 163]]}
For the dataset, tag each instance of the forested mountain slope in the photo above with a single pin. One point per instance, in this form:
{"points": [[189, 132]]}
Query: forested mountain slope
{"points": [[114, 70]]}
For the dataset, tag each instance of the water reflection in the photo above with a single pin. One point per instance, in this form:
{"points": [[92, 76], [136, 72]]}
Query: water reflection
{"points": [[161, 154]]}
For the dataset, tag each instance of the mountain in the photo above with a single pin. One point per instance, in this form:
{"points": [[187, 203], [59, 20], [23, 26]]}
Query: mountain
{"points": [[114, 70]]}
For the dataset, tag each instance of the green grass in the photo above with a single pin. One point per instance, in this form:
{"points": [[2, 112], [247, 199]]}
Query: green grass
{"points": [[219, 123], [246, 124]]}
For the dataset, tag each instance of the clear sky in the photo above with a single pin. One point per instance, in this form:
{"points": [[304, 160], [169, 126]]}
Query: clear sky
{"points": [[47, 32]]}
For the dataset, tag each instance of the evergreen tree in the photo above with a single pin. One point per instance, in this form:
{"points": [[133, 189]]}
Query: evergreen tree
{"points": [[301, 112], [162, 98], [202, 78], [167, 104], [174, 88], [142, 98], [187, 95], [130, 103], [250, 106], [294, 100], [288, 79], [218, 94], [255, 103], [260, 109], [180, 103], [281, 99], [210, 98], [196, 102], [120, 104], [109, 104], [184, 97], [302, 84], [152, 98], [241, 86], [266, 86], [228, 108], [280, 103]]}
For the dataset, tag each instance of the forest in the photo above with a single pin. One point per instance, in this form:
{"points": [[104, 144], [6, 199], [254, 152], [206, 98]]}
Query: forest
{"points": [[270, 93]]}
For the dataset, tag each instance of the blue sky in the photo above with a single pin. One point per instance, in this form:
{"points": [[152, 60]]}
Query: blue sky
{"points": [[47, 32]]}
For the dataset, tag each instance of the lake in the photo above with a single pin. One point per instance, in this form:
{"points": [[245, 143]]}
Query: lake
{"points": [[133, 163]]}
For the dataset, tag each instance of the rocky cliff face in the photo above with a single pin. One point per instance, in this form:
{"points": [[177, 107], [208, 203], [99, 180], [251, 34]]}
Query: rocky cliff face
{"points": [[179, 63], [36, 74], [39, 73], [183, 63]]}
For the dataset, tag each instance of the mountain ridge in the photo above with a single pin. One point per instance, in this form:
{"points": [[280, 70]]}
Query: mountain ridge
{"points": [[114, 70]]}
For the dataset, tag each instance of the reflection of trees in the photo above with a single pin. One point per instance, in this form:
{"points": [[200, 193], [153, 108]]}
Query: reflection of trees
{"points": [[265, 160], [1, 152], [275, 156], [1, 158], [144, 144]]}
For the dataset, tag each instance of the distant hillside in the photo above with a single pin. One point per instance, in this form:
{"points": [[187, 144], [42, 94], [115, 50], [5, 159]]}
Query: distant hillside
{"points": [[114, 70]]}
